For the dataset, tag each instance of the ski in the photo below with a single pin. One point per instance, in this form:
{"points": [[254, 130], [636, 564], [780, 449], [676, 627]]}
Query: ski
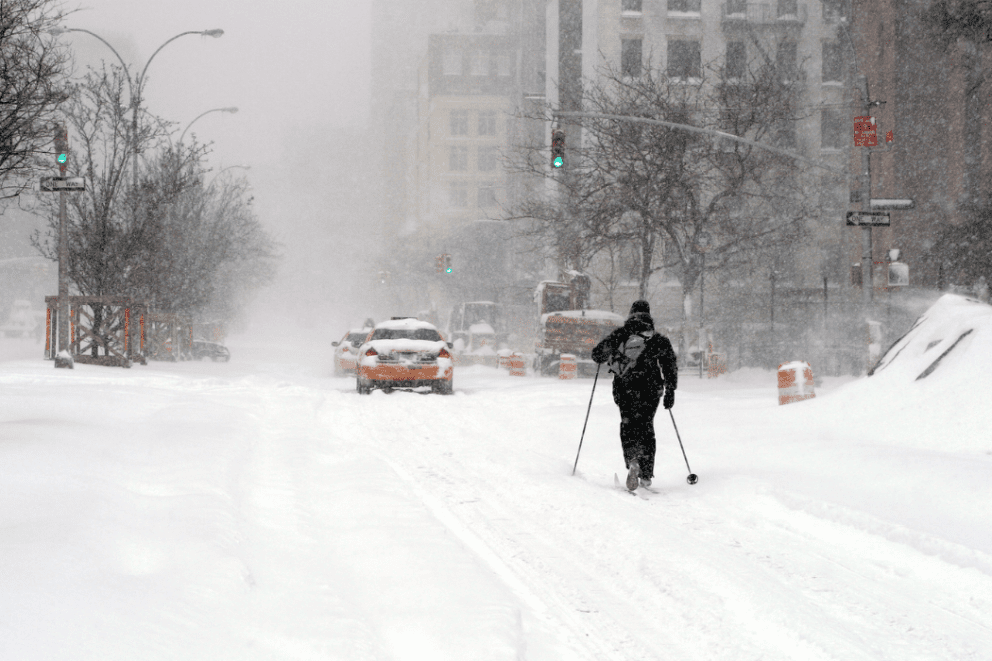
{"points": [[623, 487]]}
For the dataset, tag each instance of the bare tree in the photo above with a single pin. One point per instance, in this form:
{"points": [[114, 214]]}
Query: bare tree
{"points": [[665, 190], [172, 239], [34, 71]]}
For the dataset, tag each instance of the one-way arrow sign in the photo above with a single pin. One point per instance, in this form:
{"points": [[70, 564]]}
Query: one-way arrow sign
{"points": [[52, 184], [867, 218]]}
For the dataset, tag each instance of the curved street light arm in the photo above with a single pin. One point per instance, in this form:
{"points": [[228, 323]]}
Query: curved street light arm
{"points": [[127, 73], [207, 112], [212, 33]]}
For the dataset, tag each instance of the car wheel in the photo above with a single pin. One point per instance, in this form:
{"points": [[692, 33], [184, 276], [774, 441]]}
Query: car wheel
{"points": [[445, 387], [361, 387]]}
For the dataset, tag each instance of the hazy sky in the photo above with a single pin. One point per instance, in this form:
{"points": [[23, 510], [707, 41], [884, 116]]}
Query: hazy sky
{"points": [[286, 64], [298, 71]]}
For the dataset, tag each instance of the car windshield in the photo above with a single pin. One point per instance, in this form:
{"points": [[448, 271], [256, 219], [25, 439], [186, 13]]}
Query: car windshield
{"points": [[428, 334], [356, 338]]}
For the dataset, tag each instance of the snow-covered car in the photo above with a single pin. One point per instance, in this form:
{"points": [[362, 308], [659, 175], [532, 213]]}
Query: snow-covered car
{"points": [[202, 350], [404, 353], [346, 351]]}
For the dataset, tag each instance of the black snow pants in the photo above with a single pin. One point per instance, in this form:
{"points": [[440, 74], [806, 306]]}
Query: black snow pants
{"points": [[637, 409]]}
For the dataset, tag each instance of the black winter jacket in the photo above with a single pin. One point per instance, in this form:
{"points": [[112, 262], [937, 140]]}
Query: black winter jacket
{"points": [[656, 366]]}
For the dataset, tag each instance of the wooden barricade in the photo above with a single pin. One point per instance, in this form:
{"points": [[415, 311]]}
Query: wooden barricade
{"points": [[101, 329]]}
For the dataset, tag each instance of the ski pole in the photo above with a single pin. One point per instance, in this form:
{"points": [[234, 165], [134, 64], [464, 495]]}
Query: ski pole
{"points": [[594, 379], [692, 476]]}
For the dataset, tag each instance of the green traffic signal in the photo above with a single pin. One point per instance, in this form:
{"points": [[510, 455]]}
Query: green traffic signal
{"points": [[447, 270], [558, 162], [63, 158]]}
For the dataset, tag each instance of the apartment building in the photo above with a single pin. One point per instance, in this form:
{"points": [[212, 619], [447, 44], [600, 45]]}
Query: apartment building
{"points": [[940, 113]]}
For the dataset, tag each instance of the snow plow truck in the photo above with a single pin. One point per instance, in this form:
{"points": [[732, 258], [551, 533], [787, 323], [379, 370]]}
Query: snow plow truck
{"points": [[566, 325]]}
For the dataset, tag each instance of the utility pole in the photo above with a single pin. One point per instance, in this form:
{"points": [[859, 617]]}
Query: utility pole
{"points": [[62, 150], [867, 272]]}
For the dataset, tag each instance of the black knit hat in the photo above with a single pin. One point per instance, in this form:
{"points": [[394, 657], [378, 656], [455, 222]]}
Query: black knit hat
{"points": [[640, 306]]}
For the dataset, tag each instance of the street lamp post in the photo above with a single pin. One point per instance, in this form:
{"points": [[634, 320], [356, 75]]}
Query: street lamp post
{"points": [[231, 109], [135, 89]]}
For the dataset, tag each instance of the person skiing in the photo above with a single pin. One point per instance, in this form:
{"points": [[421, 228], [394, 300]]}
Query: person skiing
{"points": [[644, 366]]}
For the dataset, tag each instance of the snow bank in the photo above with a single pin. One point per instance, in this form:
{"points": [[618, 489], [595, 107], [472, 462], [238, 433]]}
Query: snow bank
{"points": [[930, 389]]}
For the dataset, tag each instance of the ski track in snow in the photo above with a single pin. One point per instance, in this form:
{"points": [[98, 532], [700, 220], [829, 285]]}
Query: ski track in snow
{"points": [[741, 566], [689, 573]]}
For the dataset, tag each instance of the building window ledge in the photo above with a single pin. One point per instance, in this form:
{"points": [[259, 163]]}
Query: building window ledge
{"points": [[684, 14], [628, 13]]}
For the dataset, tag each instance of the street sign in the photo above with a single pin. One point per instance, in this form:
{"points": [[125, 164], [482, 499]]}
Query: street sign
{"points": [[867, 218], [892, 204], [865, 132], [62, 183]]}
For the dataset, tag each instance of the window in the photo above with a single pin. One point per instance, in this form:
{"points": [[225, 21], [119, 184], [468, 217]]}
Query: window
{"points": [[683, 59], [504, 65], [451, 64], [736, 7], [488, 158], [834, 9], [459, 122], [736, 60], [630, 57], [631, 5], [788, 7], [831, 62], [832, 129], [684, 5], [487, 122], [458, 194], [487, 195], [480, 63], [458, 160], [785, 60]]}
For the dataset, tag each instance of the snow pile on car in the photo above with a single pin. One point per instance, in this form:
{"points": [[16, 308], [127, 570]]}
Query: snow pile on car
{"points": [[931, 388]]}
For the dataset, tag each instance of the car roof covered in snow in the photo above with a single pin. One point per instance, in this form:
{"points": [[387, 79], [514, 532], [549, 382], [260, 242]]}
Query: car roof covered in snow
{"points": [[411, 323]]}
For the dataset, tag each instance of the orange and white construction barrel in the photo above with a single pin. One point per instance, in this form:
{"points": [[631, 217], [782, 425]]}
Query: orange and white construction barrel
{"points": [[517, 365], [795, 382]]}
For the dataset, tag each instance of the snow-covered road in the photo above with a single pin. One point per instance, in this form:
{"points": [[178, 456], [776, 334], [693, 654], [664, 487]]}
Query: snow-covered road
{"points": [[262, 510]]}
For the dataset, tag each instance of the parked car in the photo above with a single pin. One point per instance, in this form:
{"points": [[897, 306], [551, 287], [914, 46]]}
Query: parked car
{"points": [[202, 350], [404, 352], [346, 350]]}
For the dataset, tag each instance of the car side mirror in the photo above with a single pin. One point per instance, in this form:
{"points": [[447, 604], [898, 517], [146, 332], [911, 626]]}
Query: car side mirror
{"points": [[334, 344], [450, 345]]}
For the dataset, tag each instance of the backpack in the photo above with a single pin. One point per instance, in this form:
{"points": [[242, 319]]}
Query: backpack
{"points": [[624, 359]]}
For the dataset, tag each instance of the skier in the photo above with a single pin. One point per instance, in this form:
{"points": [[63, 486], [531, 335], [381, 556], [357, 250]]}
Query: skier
{"points": [[644, 366]]}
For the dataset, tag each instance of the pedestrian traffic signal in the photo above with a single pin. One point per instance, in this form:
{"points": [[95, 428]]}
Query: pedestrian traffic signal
{"points": [[447, 263], [61, 148], [439, 264], [557, 148]]}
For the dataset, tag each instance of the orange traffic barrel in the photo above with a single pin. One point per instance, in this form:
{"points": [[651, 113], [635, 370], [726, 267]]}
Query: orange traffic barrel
{"points": [[517, 365], [566, 366], [795, 382]]}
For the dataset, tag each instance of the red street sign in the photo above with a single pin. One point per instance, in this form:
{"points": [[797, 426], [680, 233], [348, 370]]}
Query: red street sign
{"points": [[865, 133]]}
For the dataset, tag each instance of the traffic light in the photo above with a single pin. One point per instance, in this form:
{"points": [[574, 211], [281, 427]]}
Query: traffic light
{"points": [[61, 148], [447, 263], [557, 148], [439, 264]]}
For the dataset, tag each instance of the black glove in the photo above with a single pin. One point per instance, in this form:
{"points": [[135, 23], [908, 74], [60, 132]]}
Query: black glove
{"points": [[669, 400]]}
